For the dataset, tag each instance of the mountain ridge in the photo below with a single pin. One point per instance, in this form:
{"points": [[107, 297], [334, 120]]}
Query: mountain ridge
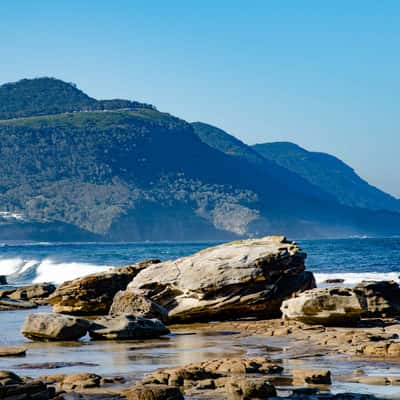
{"points": [[330, 174], [135, 173]]}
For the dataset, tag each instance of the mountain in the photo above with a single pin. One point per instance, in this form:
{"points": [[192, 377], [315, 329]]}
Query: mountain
{"points": [[230, 145], [122, 171], [329, 174], [45, 96]]}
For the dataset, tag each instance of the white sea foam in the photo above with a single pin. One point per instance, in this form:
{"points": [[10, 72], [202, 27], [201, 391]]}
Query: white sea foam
{"points": [[19, 270], [11, 266], [352, 278], [49, 271]]}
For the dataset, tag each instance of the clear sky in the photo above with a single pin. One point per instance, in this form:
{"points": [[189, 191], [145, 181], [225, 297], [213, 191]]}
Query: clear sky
{"points": [[325, 75]]}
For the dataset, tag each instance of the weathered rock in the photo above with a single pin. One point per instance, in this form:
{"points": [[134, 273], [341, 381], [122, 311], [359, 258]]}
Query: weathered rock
{"points": [[126, 327], [12, 352], [9, 378], [12, 387], [49, 327], [133, 303], [93, 294], [190, 374], [326, 306], [314, 377], [35, 293], [3, 280], [381, 349], [383, 298], [249, 388], [153, 392], [7, 304], [239, 279], [80, 381]]}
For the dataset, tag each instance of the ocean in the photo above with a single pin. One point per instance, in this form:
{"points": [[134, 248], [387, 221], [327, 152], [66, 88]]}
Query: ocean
{"points": [[353, 259], [350, 259]]}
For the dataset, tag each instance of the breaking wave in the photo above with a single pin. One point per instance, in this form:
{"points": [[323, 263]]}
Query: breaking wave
{"points": [[352, 278], [21, 271]]}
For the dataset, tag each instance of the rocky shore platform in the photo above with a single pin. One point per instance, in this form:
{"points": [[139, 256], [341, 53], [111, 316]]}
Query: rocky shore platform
{"points": [[243, 320]]}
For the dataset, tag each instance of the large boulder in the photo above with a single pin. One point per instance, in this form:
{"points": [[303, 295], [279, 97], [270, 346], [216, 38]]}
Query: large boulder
{"points": [[3, 280], [52, 327], [126, 327], [383, 298], [93, 294], [239, 279], [326, 306], [133, 303]]}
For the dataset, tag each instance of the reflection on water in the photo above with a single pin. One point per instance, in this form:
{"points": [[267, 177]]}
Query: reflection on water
{"points": [[134, 359]]}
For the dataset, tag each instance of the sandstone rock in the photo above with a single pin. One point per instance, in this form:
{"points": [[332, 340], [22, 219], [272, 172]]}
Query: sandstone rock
{"points": [[7, 304], [127, 327], [215, 370], [36, 293], [133, 303], [49, 327], [315, 377], [9, 378], [249, 388], [326, 306], [154, 392], [12, 387], [383, 298], [12, 352], [93, 294], [239, 279], [76, 382]]}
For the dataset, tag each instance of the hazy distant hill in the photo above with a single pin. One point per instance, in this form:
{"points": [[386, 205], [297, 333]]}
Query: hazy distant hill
{"points": [[330, 174], [121, 170]]}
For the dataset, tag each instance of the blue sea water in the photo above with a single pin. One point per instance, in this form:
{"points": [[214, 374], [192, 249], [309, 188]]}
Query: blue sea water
{"points": [[352, 259]]}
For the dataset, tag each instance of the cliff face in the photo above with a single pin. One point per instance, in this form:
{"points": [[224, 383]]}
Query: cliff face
{"points": [[125, 171]]}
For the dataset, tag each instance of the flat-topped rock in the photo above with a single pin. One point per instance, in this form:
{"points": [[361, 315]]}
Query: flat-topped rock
{"points": [[7, 304], [36, 293], [238, 279], [93, 294], [126, 327], [53, 327], [12, 351], [326, 306], [153, 392]]}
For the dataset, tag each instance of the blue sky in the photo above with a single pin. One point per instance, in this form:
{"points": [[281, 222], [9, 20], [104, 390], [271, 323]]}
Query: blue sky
{"points": [[325, 75]]}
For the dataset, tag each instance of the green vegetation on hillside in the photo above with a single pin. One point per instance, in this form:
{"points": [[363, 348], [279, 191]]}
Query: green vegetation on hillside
{"points": [[45, 96]]}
